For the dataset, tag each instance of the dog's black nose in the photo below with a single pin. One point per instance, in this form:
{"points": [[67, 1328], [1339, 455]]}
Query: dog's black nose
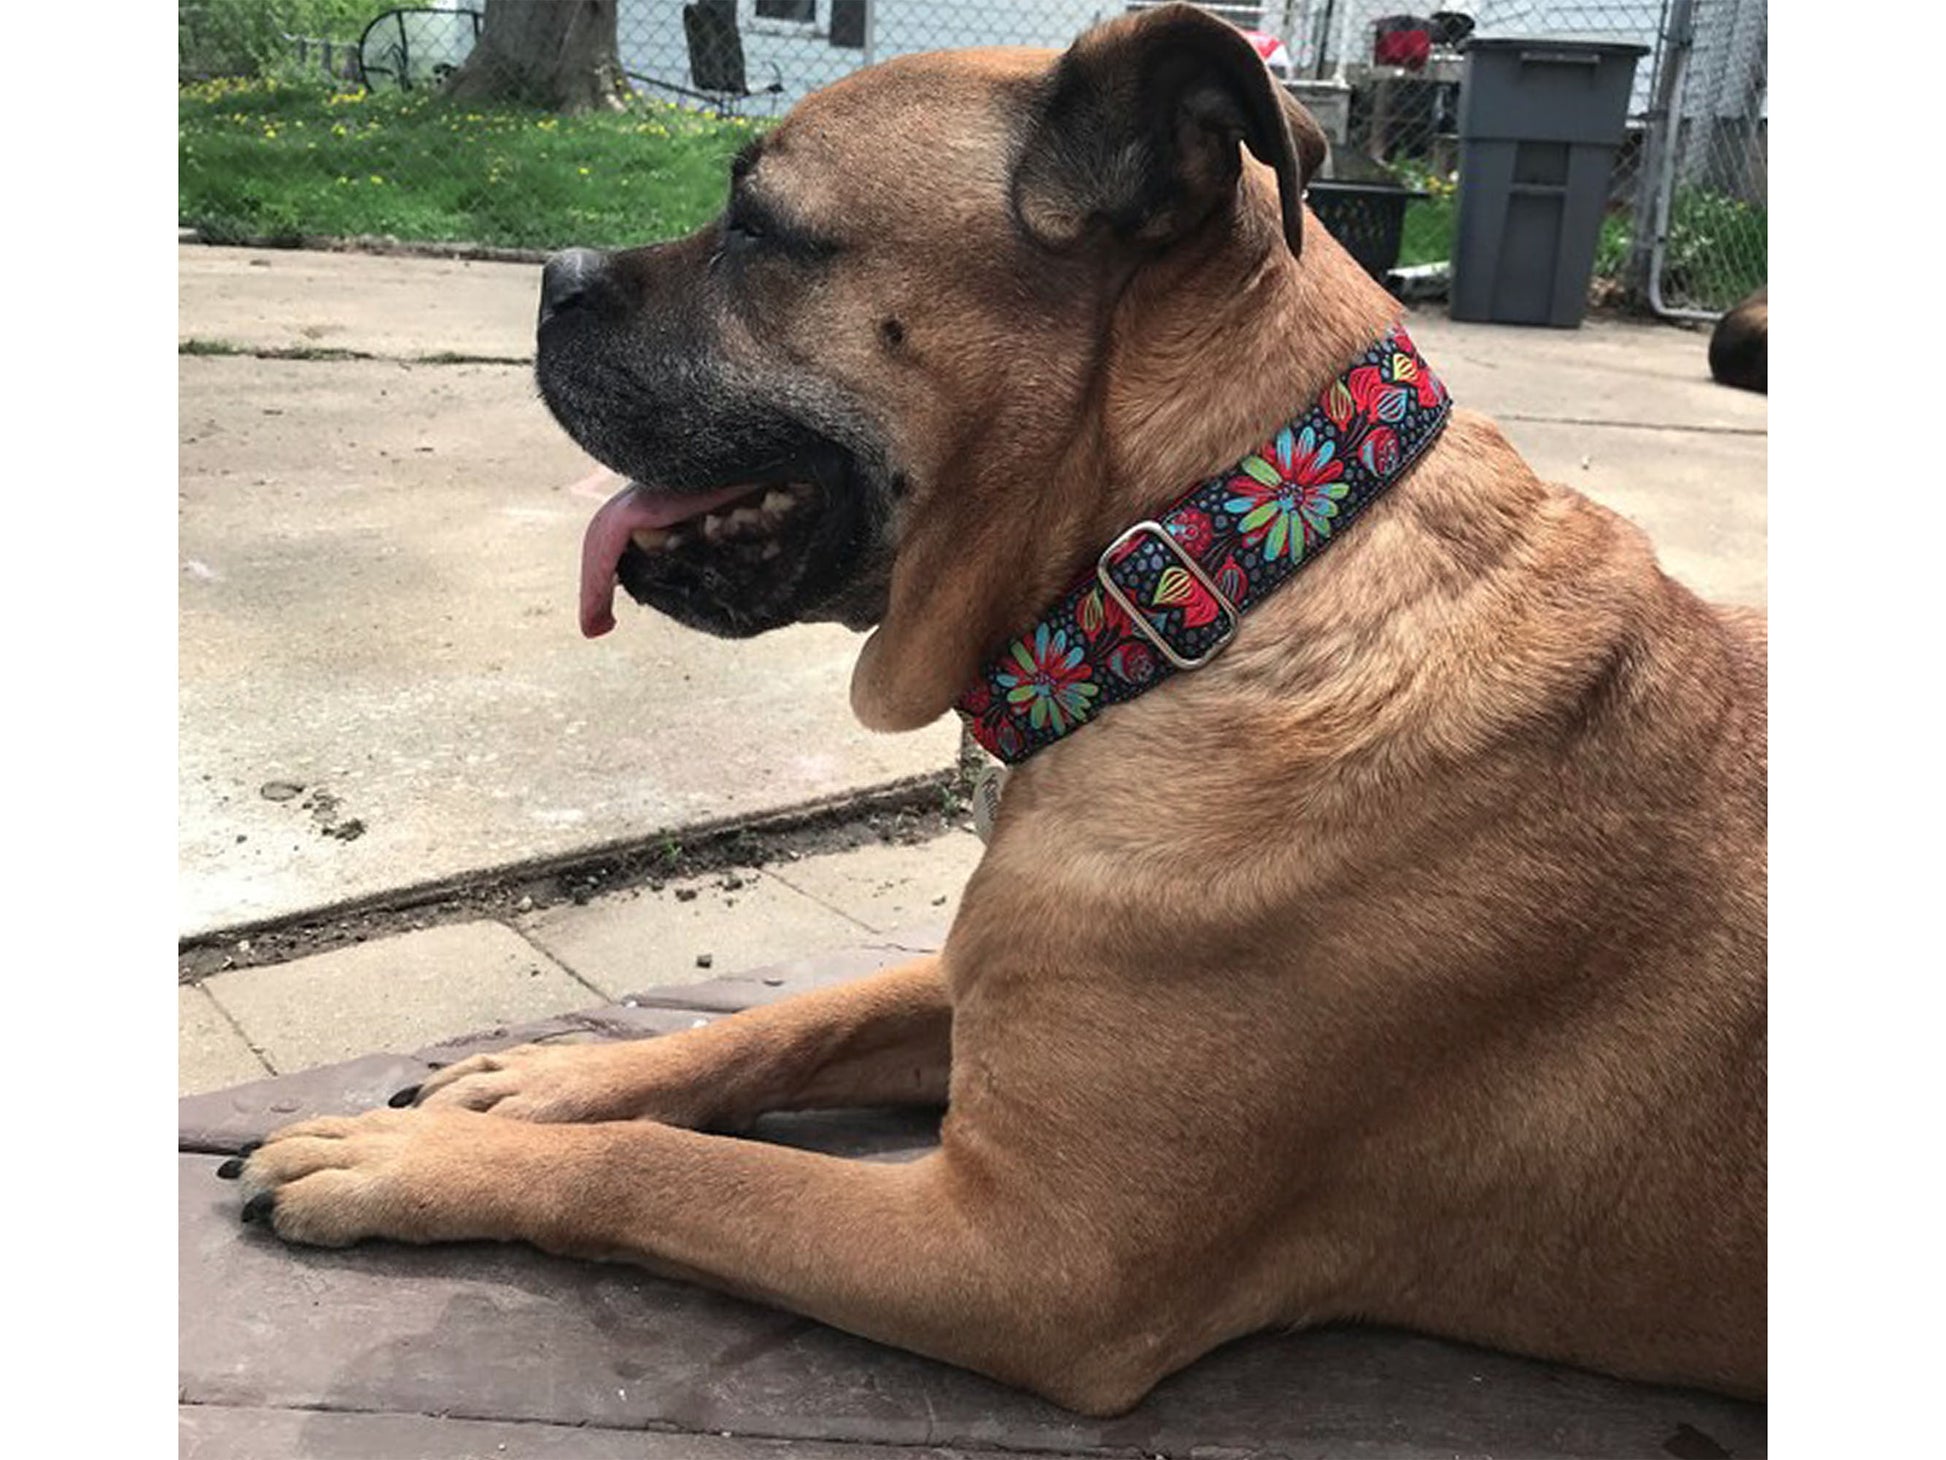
{"points": [[570, 279]]}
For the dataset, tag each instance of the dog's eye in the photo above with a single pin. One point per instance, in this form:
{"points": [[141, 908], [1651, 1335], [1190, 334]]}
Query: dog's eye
{"points": [[749, 225], [743, 229]]}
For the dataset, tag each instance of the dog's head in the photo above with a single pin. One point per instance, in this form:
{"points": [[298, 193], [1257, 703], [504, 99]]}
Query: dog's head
{"points": [[854, 395]]}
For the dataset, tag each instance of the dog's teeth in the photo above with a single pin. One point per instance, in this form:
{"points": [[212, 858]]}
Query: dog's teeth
{"points": [[746, 517], [651, 539], [771, 550], [712, 528], [676, 540], [775, 502]]}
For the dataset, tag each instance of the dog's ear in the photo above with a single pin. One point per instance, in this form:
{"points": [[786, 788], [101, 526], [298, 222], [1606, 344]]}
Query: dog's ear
{"points": [[1138, 127]]}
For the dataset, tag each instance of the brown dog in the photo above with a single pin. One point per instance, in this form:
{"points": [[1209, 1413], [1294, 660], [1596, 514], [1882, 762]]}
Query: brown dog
{"points": [[1405, 963], [1740, 344]]}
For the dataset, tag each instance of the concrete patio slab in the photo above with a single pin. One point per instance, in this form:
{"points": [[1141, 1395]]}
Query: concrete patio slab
{"points": [[381, 682], [1624, 371], [399, 991], [280, 1348], [209, 1051], [649, 936], [891, 886], [643, 938], [294, 299], [1691, 491]]}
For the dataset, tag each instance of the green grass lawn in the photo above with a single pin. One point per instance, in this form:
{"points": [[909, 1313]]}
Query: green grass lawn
{"points": [[279, 159], [268, 158]]}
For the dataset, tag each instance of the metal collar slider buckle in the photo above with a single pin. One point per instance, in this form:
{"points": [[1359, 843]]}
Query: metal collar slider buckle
{"points": [[1141, 620]]}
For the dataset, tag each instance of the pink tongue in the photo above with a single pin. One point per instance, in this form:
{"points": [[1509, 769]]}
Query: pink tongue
{"points": [[633, 507]]}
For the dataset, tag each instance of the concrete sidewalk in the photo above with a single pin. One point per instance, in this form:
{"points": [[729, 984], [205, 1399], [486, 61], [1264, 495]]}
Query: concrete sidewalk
{"points": [[382, 686], [417, 986]]}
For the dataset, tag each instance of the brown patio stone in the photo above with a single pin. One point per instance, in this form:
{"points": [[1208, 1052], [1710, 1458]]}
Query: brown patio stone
{"points": [[210, 1432], [500, 1332], [799, 975]]}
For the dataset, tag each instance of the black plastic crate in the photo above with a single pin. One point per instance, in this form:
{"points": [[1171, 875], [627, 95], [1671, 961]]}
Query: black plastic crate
{"points": [[1367, 218]]}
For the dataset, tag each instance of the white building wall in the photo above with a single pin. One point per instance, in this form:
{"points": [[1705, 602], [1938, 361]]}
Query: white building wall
{"points": [[802, 57]]}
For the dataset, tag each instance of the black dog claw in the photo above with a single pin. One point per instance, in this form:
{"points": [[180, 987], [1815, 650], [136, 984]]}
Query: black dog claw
{"points": [[405, 1097], [233, 1168], [259, 1207]]}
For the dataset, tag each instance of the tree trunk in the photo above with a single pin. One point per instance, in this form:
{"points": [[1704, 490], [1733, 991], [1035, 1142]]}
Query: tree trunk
{"points": [[556, 54]]}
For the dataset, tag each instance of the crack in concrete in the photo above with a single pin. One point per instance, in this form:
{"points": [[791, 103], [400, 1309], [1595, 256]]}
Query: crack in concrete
{"points": [[203, 348], [241, 1033], [1632, 425], [916, 809]]}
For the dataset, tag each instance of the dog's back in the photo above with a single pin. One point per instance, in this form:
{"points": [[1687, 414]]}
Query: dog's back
{"points": [[1740, 347]]}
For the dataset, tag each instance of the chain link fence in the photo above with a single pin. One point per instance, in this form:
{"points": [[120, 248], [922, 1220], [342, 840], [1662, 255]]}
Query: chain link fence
{"points": [[1706, 230], [539, 123]]}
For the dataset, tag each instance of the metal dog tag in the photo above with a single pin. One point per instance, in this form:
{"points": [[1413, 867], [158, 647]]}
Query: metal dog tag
{"points": [[986, 797]]}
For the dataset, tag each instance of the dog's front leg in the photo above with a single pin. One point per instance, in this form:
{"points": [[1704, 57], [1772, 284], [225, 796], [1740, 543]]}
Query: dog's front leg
{"points": [[940, 1256], [881, 1040]]}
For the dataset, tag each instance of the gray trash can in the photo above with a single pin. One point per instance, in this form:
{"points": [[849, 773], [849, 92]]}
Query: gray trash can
{"points": [[1540, 122]]}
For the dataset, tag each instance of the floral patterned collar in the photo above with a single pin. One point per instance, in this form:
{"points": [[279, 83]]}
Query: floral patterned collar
{"points": [[1167, 594]]}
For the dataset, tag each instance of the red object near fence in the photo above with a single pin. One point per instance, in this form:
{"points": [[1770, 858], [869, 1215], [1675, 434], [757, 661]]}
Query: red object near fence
{"points": [[1402, 40]]}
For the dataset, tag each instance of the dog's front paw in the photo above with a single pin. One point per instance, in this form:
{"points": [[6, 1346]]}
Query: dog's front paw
{"points": [[410, 1175], [631, 1080]]}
